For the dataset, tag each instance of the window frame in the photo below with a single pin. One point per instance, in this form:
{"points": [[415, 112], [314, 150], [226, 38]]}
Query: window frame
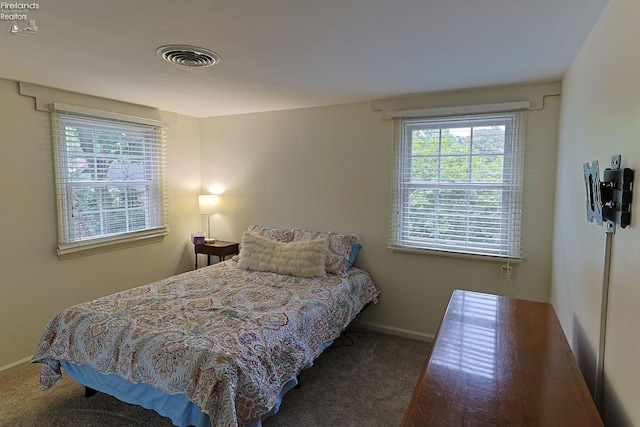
{"points": [[510, 246], [151, 178]]}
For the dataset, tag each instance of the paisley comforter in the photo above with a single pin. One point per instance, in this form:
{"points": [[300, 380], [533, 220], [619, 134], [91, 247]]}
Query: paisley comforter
{"points": [[226, 338]]}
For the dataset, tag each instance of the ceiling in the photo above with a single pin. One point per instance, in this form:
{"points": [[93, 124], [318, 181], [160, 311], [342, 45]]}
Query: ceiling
{"points": [[282, 54]]}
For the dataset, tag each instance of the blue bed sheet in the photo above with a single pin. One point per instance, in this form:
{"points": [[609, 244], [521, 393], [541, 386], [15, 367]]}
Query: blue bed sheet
{"points": [[177, 407]]}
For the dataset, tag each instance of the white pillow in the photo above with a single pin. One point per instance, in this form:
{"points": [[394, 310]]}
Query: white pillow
{"points": [[300, 259]]}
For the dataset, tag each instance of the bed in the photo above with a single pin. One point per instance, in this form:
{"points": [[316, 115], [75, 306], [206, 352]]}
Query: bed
{"points": [[219, 345]]}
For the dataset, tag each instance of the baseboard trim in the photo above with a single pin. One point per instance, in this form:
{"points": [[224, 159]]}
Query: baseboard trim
{"points": [[405, 333], [14, 364]]}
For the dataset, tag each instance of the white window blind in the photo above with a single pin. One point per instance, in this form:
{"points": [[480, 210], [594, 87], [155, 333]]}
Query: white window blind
{"points": [[458, 185], [109, 178]]}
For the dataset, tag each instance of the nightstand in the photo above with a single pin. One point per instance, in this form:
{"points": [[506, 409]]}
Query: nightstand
{"points": [[219, 248]]}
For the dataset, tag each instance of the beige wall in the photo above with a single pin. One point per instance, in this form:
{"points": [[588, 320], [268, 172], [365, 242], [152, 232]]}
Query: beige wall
{"points": [[325, 168], [34, 283], [330, 168], [601, 117]]}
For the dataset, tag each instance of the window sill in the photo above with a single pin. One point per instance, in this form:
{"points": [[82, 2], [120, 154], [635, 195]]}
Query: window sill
{"points": [[94, 246], [421, 251]]}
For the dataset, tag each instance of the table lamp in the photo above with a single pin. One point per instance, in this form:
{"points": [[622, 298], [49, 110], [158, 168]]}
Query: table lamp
{"points": [[208, 205]]}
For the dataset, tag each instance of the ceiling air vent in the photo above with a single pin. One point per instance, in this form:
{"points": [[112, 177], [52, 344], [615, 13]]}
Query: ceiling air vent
{"points": [[188, 56]]}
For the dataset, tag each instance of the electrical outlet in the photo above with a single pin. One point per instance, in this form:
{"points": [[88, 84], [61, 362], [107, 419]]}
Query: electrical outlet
{"points": [[506, 272]]}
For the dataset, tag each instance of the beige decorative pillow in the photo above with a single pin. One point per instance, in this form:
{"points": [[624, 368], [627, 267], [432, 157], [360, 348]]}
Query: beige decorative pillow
{"points": [[300, 259], [279, 234]]}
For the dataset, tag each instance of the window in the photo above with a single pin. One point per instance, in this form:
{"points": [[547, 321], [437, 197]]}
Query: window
{"points": [[458, 185], [109, 178]]}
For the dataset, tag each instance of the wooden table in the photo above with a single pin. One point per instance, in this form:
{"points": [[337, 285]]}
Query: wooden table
{"points": [[219, 248], [499, 361]]}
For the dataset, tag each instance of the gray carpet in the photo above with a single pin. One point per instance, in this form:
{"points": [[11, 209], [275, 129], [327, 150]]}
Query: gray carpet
{"points": [[368, 384]]}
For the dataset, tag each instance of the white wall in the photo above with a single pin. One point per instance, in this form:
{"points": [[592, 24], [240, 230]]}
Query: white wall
{"points": [[34, 283], [600, 117], [330, 168]]}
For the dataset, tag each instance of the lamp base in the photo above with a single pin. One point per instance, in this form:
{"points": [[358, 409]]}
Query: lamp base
{"points": [[210, 240]]}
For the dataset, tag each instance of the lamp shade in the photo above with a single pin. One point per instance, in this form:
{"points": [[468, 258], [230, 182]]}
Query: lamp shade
{"points": [[208, 204]]}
